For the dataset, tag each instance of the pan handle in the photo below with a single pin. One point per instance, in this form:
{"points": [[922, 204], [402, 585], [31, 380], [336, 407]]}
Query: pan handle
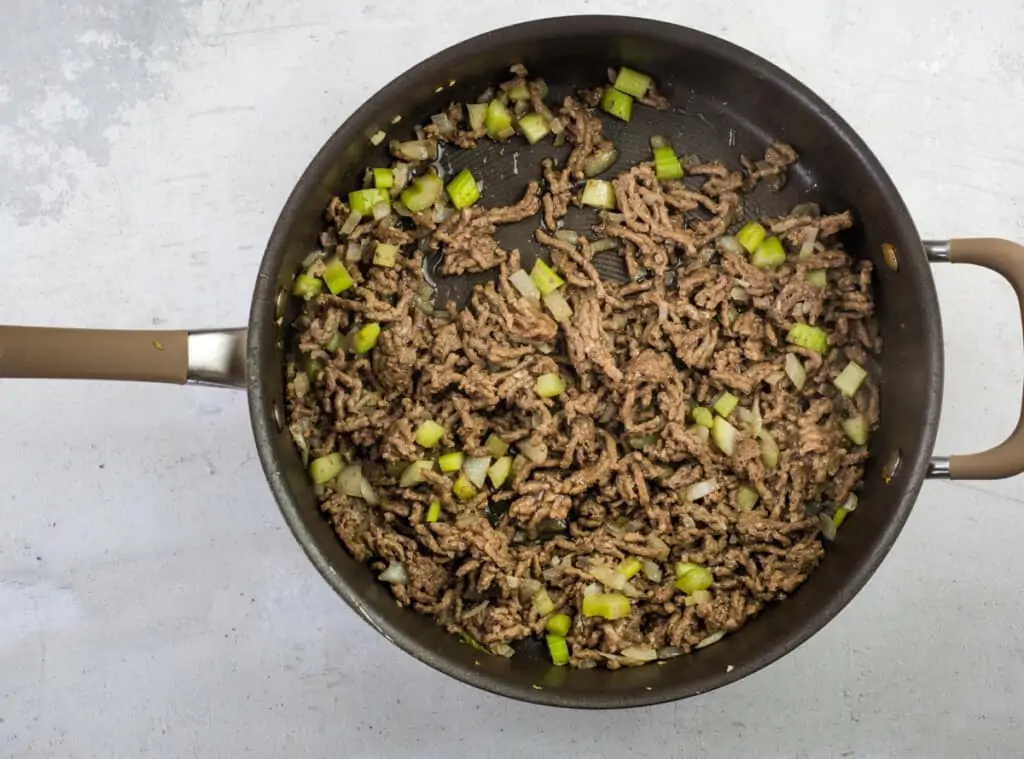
{"points": [[1005, 258], [209, 357]]}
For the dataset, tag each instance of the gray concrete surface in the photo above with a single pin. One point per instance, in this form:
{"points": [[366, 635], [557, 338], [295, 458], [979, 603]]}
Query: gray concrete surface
{"points": [[152, 603]]}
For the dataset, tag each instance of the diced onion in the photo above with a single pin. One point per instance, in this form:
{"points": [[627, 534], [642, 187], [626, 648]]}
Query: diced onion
{"points": [[652, 571], [640, 654], [350, 223], [710, 640], [351, 480], [606, 243], [739, 295], [558, 306], [520, 280], [795, 371], [395, 574], [700, 489], [828, 527], [381, 210], [769, 450], [444, 125], [568, 235], [724, 436], [536, 454], [476, 469], [731, 244], [807, 247], [413, 474], [670, 652], [592, 589], [608, 576]]}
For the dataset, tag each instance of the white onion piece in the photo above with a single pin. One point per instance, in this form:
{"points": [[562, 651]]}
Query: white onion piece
{"points": [[769, 450], [807, 248], [739, 295], [606, 243], [795, 371], [640, 654], [443, 124], [731, 244], [401, 210], [558, 306], [442, 213], [608, 576], [774, 378], [476, 469], [354, 252], [698, 490], [395, 574], [568, 235], [350, 223], [521, 280], [850, 504], [756, 420], [400, 172], [536, 454], [381, 210], [350, 481], [556, 126], [659, 545], [651, 570], [670, 652], [697, 598], [368, 493], [593, 589], [828, 527], [710, 640], [503, 649]]}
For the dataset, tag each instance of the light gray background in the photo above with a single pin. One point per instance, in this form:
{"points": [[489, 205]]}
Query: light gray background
{"points": [[152, 602]]}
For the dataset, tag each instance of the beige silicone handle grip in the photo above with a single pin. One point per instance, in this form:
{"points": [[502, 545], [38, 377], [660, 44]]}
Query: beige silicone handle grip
{"points": [[49, 353], [1006, 258]]}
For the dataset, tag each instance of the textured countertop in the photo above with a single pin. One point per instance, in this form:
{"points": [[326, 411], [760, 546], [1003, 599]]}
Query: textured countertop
{"points": [[152, 601]]}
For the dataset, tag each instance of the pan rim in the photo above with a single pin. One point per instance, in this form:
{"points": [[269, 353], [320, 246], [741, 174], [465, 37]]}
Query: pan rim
{"points": [[261, 393]]}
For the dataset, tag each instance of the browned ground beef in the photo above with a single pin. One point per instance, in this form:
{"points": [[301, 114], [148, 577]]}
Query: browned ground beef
{"points": [[619, 448]]}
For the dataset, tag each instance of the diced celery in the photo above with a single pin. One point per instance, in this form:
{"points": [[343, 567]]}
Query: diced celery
{"points": [[751, 235], [500, 471], [550, 385], [666, 164], [607, 605], [335, 343], [818, 278], [363, 201], [423, 192], [703, 417], [413, 474], [839, 517], [463, 190], [433, 511], [336, 277], [632, 82], [769, 254], [598, 193], [726, 404], [808, 336], [617, 104], [559, 624], [534, 127], [545, 278], [307, 287], [746, 498], [558, 649], [365, 339], [496, 446], [850, 379], [463, 488], [383, 179], [385, 254], [325, 468], [857, 429], [477, 115], [498, 121], [451, 462], [724, 436], [542, 602], [696, 579], [769, 451], [429, 433], [630, 566], [682, 567], [519, 92]]}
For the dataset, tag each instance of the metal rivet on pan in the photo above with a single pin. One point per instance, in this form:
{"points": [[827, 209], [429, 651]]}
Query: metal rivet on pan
{"points": [[891, 466], [278, 417], [889, 254]]}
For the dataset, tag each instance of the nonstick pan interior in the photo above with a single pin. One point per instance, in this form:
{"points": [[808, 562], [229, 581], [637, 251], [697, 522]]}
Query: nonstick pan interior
{"points": [[725, 102]]}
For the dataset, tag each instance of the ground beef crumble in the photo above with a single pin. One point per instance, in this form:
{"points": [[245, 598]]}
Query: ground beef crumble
{"points": [[611, 459]]}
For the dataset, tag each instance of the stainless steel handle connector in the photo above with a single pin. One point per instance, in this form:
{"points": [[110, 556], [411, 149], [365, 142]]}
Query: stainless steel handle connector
{"points": [[217, 357]]}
